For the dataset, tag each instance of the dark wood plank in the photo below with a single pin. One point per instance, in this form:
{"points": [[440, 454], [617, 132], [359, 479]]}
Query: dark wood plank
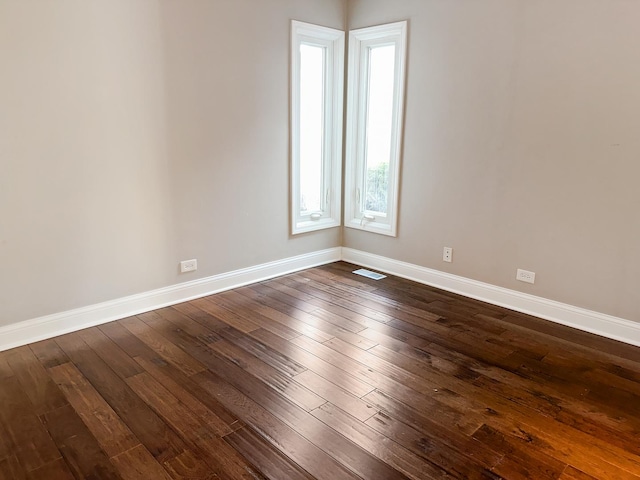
{"points": [[317, 285], [188, 464], [379, 445], [49, 353], [271, 461], [6, 445], [190, 326], [109, 351], [325, 369], [135, 464], [571, 473], [25, 435], [386, 378], [263, 352], [211, 306], [518, 461], [56, 470], [155, 341], [529, 442], [282, 436], [351, 404], [208, 409], [342, 313], [10, 469], [285, 384], [113, 436], [212, 412], [129, 343], [440, 451], [277, 316], [42, 392], [228, 302], [575, 337], [79, 448], [289, 306], [5, 369], [222, 459], [305, 424], [152, 432], [323, 374], [394, 287], [450, 423]]}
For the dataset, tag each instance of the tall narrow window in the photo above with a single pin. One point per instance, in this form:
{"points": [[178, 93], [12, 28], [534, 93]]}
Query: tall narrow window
{"points": [[374, 126], [317, 60]]}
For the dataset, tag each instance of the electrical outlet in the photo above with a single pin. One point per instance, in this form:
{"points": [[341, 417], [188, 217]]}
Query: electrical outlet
{"points": [[188, 265], [526, 276], [447, 254]]}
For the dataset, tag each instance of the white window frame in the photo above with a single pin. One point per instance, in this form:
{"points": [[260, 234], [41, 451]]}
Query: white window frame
{"points": [[360, 43], [333, 41]]}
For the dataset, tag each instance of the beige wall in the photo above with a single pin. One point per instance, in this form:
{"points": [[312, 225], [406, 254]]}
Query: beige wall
{"points": [[135, 134], [522, 145]]}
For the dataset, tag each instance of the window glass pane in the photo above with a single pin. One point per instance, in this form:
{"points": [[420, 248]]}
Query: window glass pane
{"points": [[379, 128], [312, 65]]}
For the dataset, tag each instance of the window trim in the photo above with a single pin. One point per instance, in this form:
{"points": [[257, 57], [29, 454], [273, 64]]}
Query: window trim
{"points": [[360, 41], [334, 43]]}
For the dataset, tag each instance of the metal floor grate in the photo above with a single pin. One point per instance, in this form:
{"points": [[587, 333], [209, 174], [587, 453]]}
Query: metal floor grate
{"points": [[369, 274]]}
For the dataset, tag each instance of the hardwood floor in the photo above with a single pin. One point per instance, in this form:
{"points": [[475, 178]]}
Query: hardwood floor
{"points": [[322, 374]]}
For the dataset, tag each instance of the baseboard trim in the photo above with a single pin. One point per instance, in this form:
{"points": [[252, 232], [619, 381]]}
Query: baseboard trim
{"points": [[601, 324], [49, 326]]}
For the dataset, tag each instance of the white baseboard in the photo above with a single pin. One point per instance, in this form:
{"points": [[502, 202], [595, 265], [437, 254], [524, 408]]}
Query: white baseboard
{"points": [[601, 324], [49, 326]]}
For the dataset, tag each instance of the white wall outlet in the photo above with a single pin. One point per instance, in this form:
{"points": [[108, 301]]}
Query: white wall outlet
{"points": [[188, 265], [526, 276], [447, 254]]}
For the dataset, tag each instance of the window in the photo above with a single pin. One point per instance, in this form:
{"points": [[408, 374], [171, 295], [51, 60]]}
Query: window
{"points": [[317, 59], [375, 105]]}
